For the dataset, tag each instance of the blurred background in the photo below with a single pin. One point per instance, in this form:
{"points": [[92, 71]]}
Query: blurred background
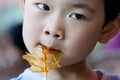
{"points": [[11, 43], [105, 56]]}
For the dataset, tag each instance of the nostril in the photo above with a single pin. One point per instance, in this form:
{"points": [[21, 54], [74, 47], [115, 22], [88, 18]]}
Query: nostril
{"points": [[47, 32], [57, 35]]}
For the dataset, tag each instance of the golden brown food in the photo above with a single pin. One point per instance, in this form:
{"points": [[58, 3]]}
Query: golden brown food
{"points": [[43, 59]]}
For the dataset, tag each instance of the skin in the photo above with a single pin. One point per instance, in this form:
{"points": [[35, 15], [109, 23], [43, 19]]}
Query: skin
{"points": [[73, 29]]}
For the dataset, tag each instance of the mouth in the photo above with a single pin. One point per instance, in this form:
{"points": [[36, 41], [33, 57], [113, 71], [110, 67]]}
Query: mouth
{"points": [[51, 49], [43, 59]]}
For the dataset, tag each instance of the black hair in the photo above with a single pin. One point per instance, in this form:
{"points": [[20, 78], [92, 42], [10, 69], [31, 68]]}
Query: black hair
{"points": [[112, 10]]}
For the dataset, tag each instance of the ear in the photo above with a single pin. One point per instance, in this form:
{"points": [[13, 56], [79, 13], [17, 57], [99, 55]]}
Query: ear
{"points": [[22, 4], [110, 30]]}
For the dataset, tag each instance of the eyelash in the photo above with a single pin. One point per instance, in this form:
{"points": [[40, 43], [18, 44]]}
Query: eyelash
{"points": [[75, 16], [43, 6], [78, 16]]}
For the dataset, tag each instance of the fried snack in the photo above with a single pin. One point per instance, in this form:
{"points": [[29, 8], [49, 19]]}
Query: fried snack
{"points": [[43, 59]]}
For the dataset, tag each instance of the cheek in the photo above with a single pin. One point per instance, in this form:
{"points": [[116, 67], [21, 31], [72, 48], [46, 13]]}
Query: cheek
{"points": [[87, 40], [30, 36], [80, 44], [32, 30]]}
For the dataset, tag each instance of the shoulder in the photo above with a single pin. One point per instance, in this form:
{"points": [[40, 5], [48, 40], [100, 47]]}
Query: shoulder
{"points": [[28, 75], [106, 76], [114, 77]]}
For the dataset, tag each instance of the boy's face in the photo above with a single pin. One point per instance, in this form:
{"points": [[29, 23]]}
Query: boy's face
{"points": [[71, 26]]}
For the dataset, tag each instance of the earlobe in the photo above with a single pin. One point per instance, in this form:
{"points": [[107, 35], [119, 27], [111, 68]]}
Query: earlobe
{"points": [[110, 30]]}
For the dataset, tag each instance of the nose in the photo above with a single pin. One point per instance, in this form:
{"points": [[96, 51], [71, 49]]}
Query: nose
{"points": [[54, 33], [54, 26]]}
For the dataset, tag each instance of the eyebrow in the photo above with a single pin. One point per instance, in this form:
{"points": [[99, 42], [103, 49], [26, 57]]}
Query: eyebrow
{"points": [[84, 6]]}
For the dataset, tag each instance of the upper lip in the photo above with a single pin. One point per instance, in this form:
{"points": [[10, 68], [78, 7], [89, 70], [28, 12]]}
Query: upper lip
{"points": [[51, 48]]}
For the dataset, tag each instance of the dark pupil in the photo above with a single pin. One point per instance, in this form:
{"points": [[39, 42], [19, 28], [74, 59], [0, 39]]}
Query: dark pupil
{"points": [[45, 7], [78, 16]]}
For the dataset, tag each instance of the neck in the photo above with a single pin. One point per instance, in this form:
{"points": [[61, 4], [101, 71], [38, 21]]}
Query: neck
{"points": [[78, 71]]}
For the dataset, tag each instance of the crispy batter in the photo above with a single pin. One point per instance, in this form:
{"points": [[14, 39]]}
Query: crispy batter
{"points": [[43, 59]]}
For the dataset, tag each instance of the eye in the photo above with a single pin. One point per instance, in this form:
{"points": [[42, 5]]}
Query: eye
{"points": [[77, 16], [43, 6]]}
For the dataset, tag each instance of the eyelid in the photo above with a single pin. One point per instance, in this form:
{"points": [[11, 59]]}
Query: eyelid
{"points": [[81, 16], [37, 4]]}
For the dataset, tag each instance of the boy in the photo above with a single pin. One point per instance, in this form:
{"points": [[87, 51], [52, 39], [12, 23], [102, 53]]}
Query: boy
{"points": [[72, 27]]}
